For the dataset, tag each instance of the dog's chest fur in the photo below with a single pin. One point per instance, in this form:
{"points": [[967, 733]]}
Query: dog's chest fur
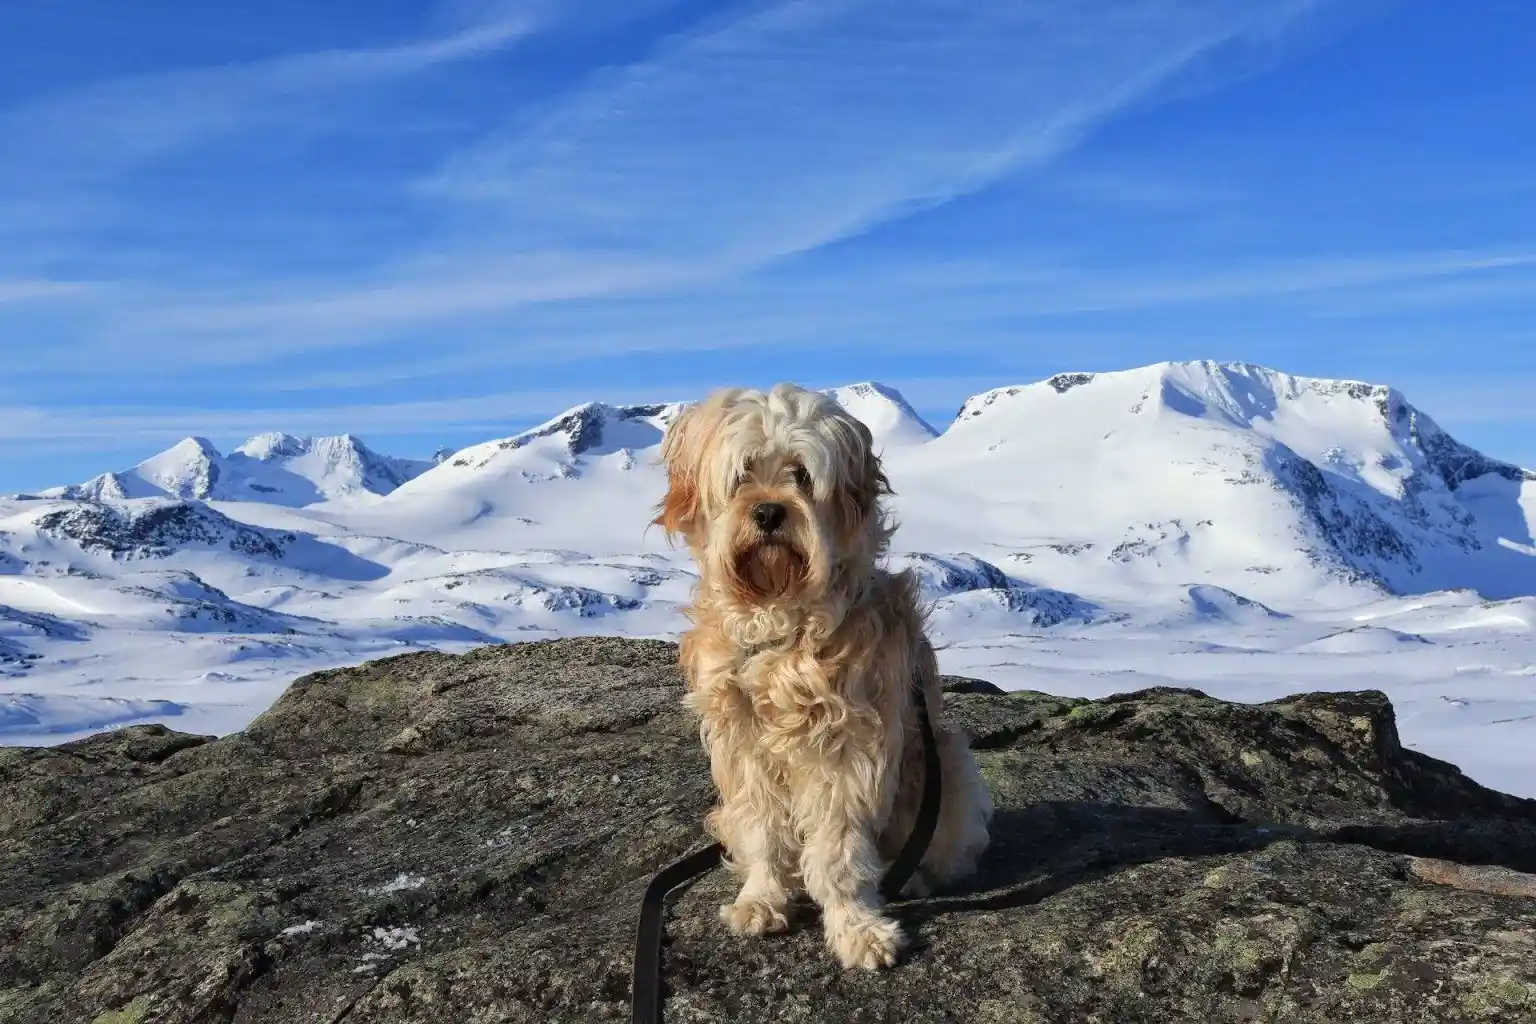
{"points": [[797, 703]]}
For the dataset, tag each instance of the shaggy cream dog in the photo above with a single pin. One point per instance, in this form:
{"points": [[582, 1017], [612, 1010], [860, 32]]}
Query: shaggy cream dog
{"points": [[800, 664]]}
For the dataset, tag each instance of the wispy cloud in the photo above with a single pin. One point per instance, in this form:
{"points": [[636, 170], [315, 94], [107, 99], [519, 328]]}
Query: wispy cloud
{"points": [[89, 426], [763, 135], [1112, 291], [1483, 292], [18, 291], [904, 301], [1471, 398], [124, 122], [804, 123]]}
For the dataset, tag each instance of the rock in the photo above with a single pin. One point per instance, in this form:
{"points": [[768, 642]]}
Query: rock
{"points": [[432, 838], [966, 684]]}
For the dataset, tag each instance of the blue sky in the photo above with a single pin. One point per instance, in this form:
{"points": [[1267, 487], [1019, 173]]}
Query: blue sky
{"points": [[434, 223]]}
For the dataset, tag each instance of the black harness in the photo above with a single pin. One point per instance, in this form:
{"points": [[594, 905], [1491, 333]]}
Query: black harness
{"points": [[645, 992]]}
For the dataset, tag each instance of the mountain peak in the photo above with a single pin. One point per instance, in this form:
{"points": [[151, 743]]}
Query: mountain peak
{"points": [[194, 446], [274, 444], [187, 469], [588, 429], [883, 409]]}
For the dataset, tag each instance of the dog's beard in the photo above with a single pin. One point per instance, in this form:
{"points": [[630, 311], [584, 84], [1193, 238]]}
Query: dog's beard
{"points": [[771, 569]]}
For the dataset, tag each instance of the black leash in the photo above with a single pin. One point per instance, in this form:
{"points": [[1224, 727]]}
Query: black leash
{"points": [[927, 810], [645, 991]]}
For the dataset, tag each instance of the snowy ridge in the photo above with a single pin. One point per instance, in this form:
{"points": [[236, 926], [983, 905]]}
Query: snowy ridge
{"points": [[556, 446], [1223, 526], [275, 468]]}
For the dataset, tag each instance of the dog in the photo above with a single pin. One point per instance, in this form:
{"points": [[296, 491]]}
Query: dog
{"points": [[800, 665]]}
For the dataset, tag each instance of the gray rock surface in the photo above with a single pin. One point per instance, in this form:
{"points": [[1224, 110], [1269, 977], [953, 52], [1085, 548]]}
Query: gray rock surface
{"points": [[465, 839]]}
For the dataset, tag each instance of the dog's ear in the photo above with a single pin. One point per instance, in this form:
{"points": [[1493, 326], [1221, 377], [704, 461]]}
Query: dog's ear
{"points": [[876, 484], [678, 512], [866, 481]]}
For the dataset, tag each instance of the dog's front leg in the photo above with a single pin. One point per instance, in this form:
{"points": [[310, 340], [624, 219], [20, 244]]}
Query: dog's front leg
{"points": [[751, 818], [753, 823], [841, 866]]}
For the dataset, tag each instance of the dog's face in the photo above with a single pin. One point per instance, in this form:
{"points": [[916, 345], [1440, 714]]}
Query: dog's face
{"points": [[773, 492]]}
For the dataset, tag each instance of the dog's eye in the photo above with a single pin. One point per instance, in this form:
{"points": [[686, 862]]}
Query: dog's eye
{"points": [[803, 479], [740, 476]]}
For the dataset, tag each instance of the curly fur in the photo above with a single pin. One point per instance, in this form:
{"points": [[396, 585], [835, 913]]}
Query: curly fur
{"points": [[800, 663]]}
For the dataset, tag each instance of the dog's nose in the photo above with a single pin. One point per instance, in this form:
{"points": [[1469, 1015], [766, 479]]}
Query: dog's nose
{"points": [[768, 515]]}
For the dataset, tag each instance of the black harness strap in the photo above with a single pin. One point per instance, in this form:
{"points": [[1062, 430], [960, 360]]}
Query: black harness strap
{"points": [[645, 989]]}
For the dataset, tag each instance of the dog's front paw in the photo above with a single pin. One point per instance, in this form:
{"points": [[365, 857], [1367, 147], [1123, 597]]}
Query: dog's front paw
{"points": [[753, 917], [870, 942]]}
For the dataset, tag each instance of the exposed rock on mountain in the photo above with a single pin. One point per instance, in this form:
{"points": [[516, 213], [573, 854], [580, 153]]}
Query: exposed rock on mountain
{"points": [[157, 529], [949, 579], [592, 429], [1218, 604], [450, 839]]}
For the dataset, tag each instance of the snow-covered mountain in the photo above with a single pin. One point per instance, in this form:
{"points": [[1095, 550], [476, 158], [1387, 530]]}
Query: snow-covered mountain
{"points": [[1177, 515], [274, 468], [891, 421], [1224, 472], [582, 480]]}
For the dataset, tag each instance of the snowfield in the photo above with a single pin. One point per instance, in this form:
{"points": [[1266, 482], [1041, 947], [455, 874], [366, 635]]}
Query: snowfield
{"points": [[1220, 526]]}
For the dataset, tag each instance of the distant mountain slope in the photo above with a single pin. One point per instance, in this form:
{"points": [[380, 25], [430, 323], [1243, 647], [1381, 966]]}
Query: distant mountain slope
{"points": [[584, 479], [272, 468], [1211, 472]]}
